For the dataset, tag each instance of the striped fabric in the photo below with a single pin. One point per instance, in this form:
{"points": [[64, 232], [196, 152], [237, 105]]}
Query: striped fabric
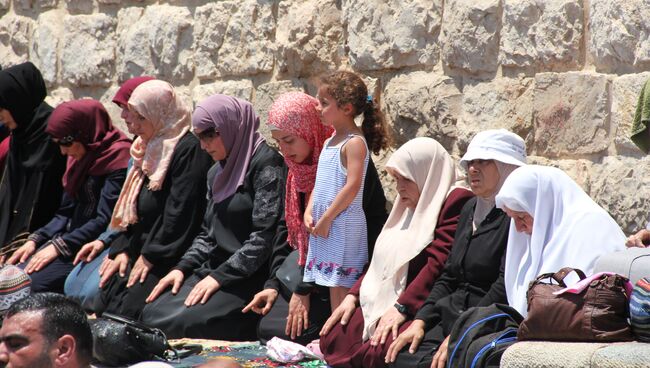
{"points": [[640, 310], [337, 260]]}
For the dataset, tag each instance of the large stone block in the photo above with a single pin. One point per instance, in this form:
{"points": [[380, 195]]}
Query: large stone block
{"points": [[423, 104], [390, 34], [15, 32], [470, 35], [234, 38], [241, 89], [58, 96], [149, 46], [309, 37], [571, 114], [44, 4], [619, 38], [267, 93], [502, 103], [79, 6], [579, 170], [88, 50], [622, 186], [625, 94], [544, 34], [45, 43]]}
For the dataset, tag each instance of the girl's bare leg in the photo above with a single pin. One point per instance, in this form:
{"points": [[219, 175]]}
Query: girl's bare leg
{"points": [[337, 294]]}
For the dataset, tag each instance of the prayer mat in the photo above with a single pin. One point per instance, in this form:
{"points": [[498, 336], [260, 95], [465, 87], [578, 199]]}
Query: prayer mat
{"points": [[248, 354]]}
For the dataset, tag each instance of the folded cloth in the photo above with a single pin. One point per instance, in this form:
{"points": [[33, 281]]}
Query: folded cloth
{"points": [[640, 135], [578, 287], [287, 352]]}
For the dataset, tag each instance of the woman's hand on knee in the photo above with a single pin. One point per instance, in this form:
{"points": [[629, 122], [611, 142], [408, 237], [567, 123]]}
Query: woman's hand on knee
{"points": [[139, 272], [174, 279], [440, 357], [389, 323], [23, 253], [412, 335], [202, 291], [298, 318], [89, 251], [262, 302], [342, 313], [42, 258], [110, 266], [641, 239]]}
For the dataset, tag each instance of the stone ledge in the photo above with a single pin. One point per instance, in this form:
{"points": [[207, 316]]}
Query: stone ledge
{"points": [[545, 354]]}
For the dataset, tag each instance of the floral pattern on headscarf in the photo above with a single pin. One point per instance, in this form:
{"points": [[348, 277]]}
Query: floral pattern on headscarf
{"points": [[296, 114]]}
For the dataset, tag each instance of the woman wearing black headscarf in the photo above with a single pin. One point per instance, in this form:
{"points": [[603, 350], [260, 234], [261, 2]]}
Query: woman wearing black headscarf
{"points": [[31, 189]]}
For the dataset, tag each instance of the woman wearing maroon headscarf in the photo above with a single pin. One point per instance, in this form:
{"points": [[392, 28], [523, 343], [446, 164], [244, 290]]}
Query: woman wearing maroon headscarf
{"points": [[98, 155], [82, 284]]}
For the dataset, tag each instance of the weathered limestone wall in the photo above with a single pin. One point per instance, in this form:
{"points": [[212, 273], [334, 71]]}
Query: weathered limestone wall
{"points": [[564, 74]]}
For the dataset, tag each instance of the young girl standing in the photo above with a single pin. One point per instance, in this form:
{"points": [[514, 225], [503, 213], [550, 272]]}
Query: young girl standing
{"points": [[338, 245]]}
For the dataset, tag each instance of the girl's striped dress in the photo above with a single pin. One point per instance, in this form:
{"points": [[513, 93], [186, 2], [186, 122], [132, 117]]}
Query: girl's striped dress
{"points": [[337, 260]]}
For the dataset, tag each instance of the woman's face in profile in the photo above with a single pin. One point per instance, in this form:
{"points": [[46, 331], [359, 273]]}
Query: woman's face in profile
{"points": [[523, 220], [293, 147], [128, 117], [407, 189], [483, 177]]}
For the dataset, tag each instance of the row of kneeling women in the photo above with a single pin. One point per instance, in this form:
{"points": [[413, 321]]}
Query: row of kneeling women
{"points": [[200, 228]]}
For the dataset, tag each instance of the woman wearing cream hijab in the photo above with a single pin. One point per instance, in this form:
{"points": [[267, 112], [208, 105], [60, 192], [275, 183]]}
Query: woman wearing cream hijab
{"points": [[554, 225], [409, 254]]}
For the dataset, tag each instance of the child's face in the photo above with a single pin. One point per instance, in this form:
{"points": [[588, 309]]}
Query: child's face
{"points": [[331, 113]]}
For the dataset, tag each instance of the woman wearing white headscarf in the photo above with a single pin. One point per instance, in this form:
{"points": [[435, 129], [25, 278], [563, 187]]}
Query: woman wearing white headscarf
{"points": [[556, 225], [473, 274], [409, 255]]}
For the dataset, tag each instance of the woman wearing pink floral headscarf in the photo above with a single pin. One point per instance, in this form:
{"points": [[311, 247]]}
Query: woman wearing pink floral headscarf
{"points": [[161, 205], [299, 313]]}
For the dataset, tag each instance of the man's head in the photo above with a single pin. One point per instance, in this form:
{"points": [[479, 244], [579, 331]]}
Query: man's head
{"points": [[45, 330]]}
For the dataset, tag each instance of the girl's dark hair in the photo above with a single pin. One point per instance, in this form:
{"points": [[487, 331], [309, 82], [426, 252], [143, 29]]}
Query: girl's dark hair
{"points": [[347, 87]]}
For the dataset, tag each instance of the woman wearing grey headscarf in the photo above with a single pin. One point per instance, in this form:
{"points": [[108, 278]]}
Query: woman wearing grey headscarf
{"points": [[227, 262]]}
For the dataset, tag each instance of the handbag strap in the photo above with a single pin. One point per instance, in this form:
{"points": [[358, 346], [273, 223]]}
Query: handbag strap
{"points": [[133, 323], [561, 274], [558, 276]]}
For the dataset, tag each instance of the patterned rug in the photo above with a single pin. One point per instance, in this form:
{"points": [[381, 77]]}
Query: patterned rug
{"points": [[248, 354]]}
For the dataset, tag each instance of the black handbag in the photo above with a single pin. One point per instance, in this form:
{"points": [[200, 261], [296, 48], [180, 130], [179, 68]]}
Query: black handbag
{"points": [[119, 341], [289, 273]]}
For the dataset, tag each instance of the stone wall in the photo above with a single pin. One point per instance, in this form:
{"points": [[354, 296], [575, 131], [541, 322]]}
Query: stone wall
{"points": [[564, 74]]}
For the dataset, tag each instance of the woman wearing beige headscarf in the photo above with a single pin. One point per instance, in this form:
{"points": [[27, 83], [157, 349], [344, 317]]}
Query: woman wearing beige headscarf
{"points": [[409, 255], [161, 205]]}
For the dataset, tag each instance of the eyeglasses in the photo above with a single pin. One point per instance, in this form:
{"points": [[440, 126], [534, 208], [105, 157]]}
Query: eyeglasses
{"points": [[66, 141], [208, 134]]}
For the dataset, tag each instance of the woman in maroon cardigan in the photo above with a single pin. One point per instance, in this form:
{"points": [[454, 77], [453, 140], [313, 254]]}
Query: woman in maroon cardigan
{"points": [[409, 255]]}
